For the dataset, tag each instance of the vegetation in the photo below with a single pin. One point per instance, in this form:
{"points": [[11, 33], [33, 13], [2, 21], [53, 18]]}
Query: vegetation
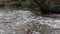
{"points": [[45, 6]]}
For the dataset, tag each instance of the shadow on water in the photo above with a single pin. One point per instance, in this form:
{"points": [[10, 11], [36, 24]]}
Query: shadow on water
{"points": [[54, 16], [48, 15]]}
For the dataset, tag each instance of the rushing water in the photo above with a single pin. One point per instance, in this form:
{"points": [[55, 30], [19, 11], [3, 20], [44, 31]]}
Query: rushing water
{"points": [[25, 22]]}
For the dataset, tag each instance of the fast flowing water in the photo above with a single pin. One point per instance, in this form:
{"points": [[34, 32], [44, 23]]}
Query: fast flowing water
{"points": [[25, 22]]}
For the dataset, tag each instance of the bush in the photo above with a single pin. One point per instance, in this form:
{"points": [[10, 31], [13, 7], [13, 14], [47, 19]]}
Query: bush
{"points": [[45, 6]]}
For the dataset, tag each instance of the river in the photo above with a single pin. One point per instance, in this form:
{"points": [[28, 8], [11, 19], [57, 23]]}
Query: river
{"points": [[26, 22]]}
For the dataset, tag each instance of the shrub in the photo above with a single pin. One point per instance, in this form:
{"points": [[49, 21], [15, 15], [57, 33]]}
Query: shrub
{"points": [[45, 6]]}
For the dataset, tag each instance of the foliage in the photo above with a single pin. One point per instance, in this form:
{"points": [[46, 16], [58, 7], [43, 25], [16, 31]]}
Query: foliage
{"points": [[44, 4], [28, 3]]}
